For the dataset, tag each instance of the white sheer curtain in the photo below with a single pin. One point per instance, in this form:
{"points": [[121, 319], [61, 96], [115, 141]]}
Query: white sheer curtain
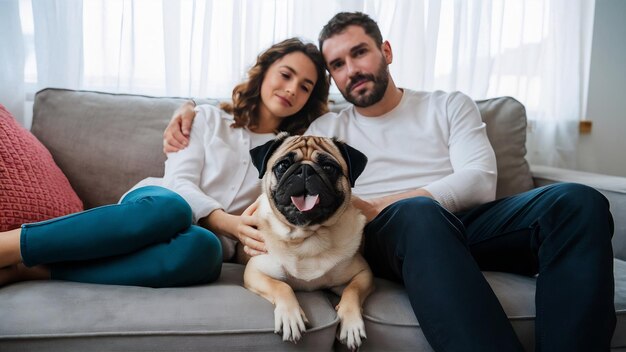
{"points": [[537, 51], [58, 29], [11, 60]]}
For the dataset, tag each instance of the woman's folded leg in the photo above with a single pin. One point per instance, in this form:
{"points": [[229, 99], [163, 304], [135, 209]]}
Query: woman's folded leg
{"points": [[193, 257], [145, 216]]}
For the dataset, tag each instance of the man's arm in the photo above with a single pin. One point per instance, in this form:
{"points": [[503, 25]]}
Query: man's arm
{"points": [[176, 135], [473, 181]]}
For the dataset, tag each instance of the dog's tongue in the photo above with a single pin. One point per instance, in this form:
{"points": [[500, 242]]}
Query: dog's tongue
{"points": [[305, 203]]}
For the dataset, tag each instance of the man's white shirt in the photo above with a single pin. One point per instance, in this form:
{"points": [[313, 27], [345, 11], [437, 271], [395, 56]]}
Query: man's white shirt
{"points": [[431, 140]]}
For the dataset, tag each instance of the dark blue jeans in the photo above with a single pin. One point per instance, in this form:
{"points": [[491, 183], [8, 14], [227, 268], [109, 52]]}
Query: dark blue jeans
{"points": [[561, 232], [146, 240]]}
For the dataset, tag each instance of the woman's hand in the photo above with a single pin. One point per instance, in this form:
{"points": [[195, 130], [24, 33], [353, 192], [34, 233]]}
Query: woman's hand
{"points": [[242, 228], [176, 135], [248, 234]]}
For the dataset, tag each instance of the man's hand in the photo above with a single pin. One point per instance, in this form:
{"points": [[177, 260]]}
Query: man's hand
{"points": [[369, 208], [176, 135], [372, 207]]}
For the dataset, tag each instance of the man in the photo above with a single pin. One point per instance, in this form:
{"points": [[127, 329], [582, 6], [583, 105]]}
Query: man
{"points": [[428, 192]]}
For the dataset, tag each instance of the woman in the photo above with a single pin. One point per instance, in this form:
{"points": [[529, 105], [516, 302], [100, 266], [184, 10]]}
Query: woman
{"points": [[148, 239]]}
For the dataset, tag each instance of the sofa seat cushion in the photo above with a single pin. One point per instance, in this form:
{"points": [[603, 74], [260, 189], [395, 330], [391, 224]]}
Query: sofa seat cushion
{"points": [[67, 316], [32, 187], [391, 325]]}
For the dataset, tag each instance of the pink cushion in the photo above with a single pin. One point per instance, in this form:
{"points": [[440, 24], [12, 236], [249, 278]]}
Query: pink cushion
{"points": [[32, 187]]}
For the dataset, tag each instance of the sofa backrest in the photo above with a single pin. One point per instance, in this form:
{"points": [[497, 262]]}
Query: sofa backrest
{"points": [[505, 118], [105, 143]]}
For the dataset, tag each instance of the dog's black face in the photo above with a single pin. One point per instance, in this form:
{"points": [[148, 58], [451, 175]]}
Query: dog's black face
{"points": [[308, 179], [308, 192]]}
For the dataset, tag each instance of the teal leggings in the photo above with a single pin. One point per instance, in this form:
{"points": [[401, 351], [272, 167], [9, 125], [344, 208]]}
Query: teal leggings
{"points": [[146, 240]]}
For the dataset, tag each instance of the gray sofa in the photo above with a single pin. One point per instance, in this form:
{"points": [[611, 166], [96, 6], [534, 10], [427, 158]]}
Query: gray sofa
{"points": [[105, 143]]}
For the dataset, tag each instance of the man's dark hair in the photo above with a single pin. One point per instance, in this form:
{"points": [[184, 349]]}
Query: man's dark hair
{"points": [[342, 20]]}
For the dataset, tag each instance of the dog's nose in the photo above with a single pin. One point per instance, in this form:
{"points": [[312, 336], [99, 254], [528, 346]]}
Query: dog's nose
{"points": [[305, 171]]}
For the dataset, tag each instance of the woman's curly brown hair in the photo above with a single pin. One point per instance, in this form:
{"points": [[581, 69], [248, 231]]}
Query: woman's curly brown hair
{"points": [[247, 95]]}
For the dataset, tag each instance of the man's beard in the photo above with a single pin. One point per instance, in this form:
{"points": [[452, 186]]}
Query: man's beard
{"points": [[362, 98]]}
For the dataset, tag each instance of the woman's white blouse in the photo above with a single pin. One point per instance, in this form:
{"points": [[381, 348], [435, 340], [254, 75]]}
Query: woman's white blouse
{"points": [[215, 171]]}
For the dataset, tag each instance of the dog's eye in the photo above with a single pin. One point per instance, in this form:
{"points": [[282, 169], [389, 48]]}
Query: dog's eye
{"points": [[329, 168], [281, 167]]}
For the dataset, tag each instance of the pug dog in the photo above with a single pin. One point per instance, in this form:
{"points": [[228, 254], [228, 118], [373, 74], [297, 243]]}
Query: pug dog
{"points": [[312, 232]]}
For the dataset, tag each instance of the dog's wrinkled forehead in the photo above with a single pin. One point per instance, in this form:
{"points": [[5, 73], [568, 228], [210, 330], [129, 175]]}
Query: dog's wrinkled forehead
{"points": [[310, 148]]}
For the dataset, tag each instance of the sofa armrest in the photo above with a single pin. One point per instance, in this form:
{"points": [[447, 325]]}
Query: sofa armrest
{"points": [[613, 188]]}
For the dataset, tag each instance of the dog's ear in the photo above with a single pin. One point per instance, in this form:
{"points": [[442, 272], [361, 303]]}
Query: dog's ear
{"points": [[355, 159], [262, 154]]}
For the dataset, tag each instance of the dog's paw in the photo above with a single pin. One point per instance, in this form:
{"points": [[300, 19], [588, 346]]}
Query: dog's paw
{"points": [[291, 321], [351, 329], [352, 334]]}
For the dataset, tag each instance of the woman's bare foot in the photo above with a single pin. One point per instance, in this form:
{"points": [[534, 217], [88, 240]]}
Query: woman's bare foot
{"points": [[10, 253], [20, 272]]}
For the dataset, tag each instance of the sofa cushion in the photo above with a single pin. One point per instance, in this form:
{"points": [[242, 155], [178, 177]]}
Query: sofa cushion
{"points": [[67, 316], [105, 143], [391, 325], [32, 187], [505, 118]]}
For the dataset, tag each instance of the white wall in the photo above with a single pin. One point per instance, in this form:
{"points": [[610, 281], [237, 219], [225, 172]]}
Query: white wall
{"points": [[604, 150]]}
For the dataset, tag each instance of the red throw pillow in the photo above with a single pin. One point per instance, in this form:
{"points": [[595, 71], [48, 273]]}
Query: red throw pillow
{"points": [[32, 187]]}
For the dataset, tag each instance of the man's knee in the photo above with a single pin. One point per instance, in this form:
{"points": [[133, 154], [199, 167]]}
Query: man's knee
{"points": [[578, 195], [416, 208], [579, 200], [419, 221], [577, 203], [409, 234]]}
